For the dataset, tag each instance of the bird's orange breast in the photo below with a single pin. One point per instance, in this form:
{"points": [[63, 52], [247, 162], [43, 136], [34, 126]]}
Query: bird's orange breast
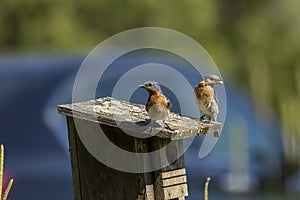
{"points": [[159, 100], [206, 93]]}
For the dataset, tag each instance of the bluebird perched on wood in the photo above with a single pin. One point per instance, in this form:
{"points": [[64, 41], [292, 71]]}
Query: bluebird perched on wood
{"points": [[158, 105], [206, 98]]}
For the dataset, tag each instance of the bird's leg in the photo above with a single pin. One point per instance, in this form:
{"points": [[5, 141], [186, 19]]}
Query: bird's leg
{"points": [[214, 119], [202, 117], [216, 134], [167, 126]]}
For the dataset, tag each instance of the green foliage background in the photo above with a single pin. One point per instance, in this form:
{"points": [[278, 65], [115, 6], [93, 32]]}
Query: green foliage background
{"points": [[254, 42]]}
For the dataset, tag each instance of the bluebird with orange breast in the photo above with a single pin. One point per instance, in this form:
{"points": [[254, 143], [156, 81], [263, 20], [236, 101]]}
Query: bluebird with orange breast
{"points": [[158, 105], [206, 98]]}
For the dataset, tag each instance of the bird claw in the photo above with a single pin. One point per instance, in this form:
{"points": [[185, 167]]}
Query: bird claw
{"points": [[202, 118], [216, 134], [204, 121], [168, 127]]}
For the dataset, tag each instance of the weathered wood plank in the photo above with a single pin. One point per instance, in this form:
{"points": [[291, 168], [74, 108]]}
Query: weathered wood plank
{"points": [[149, 192], [172, 192], [167, 178], [175, 191], [173, 181], [74, 159], [116, 113], [93, 179], [173, 173], [171, 185]]}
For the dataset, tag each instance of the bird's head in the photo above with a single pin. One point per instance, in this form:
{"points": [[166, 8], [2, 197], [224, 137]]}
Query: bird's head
{"points": [[202, 84], [151, 87], [212, 79]]}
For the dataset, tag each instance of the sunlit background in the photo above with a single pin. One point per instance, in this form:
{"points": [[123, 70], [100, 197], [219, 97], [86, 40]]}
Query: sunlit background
{"points": [[255, 45]]}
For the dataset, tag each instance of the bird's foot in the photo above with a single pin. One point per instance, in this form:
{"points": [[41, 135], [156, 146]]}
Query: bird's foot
{"points": [[216, 134], [204, 121], [168, 127], [202, 118]]}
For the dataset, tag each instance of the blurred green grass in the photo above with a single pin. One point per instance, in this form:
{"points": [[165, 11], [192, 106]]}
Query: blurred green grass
{"points": [[254, 43]]}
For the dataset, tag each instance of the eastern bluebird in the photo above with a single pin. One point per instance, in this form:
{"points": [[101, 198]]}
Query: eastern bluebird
{"points": [[206, 98], [158, 105]]}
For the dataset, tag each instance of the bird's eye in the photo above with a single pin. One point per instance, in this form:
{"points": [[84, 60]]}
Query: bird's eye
{"points": [[150, 84]]}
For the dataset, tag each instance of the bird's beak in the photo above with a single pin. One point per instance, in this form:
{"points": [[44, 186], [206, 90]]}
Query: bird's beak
{"points": [[142, 86], [221, 82]]}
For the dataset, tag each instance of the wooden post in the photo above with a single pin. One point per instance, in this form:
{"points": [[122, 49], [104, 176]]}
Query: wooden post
{"points": [[94, 180]]}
